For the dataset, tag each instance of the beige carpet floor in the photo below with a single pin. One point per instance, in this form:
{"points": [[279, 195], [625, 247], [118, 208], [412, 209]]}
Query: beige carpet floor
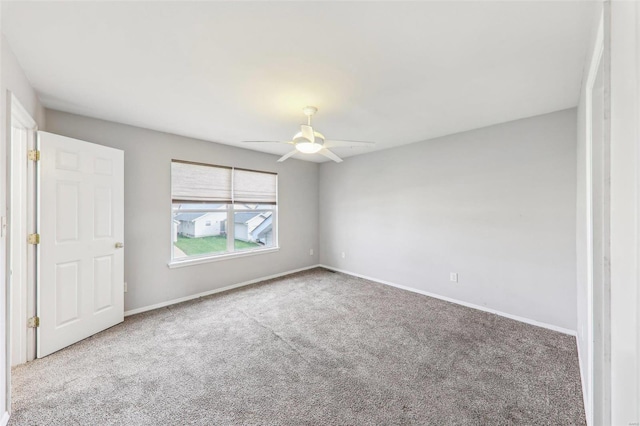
{"points": [[314, 348]]}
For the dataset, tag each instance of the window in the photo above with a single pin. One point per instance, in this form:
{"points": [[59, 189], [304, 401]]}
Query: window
{"points": [[221, 211]]}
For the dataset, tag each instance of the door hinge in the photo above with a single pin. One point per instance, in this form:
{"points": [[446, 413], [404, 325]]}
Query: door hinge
{"points": [[34, 155], [33, 322], [33, 239]]}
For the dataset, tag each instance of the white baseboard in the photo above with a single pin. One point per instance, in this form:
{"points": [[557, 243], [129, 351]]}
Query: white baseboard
{"points": [[214, 291], [459, 302], [5, 419]]}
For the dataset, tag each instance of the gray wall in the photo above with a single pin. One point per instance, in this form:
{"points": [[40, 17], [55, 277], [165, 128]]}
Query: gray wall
{"points": [[496, 205], [148, 211]]}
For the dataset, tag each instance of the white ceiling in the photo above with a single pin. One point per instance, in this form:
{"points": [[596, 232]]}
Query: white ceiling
{"points": [[389, 72]]}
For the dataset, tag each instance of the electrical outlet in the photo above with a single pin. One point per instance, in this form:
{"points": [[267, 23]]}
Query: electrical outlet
{"points": [[310, 252], [126, 288], [343, 255], [453, 277]]}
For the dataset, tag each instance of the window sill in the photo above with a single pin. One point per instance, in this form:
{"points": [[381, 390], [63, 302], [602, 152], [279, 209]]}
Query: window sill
{"points": [[207, 259]]}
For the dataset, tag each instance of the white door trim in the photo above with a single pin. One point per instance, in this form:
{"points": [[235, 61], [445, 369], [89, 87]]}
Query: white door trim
{"points": [[638, 200], [22, 293], [596, 59]]}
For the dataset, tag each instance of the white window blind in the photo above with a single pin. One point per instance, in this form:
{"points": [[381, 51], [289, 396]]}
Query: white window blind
{"points": [[204, 183], [254, 187], [200, 183]]}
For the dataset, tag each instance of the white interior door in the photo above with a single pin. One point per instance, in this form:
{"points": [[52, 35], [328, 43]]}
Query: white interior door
{"points": [[81, 259]]}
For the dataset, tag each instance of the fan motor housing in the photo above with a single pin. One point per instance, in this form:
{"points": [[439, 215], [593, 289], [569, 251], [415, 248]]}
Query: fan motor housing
{"points": [[318, 136]]}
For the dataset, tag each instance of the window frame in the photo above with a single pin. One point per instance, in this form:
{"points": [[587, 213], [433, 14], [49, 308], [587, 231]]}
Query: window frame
{"points": [[231, 252]]}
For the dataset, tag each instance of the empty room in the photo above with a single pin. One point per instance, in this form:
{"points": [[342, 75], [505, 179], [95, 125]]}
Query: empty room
{"points": [[320, 213]]}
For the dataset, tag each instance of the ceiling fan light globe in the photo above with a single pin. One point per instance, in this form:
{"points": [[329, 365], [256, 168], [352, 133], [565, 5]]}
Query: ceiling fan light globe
{"points": [[308, 147]]}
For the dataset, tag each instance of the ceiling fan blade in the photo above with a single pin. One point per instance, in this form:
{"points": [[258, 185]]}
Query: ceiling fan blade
{"points": [[344, 143], [330, 154], [289, 142], [307, 133], [287, 155]]}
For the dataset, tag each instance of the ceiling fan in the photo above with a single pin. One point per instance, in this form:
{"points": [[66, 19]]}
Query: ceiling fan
{"points": [[309, 141]]}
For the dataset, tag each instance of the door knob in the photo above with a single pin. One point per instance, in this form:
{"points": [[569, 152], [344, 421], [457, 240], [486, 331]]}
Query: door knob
{"points": [[119, 245]]}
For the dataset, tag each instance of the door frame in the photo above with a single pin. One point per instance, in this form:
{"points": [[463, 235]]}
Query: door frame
{"points": [[26, 288], [597, 401]]}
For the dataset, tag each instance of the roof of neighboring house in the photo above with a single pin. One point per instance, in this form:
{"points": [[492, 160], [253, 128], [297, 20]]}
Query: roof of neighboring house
{"points": [[244, 217], [189, 217], [264, 227]]}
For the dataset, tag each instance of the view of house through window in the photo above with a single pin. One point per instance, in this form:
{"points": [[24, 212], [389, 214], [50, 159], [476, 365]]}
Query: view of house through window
{"points": [[221, 210]]}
